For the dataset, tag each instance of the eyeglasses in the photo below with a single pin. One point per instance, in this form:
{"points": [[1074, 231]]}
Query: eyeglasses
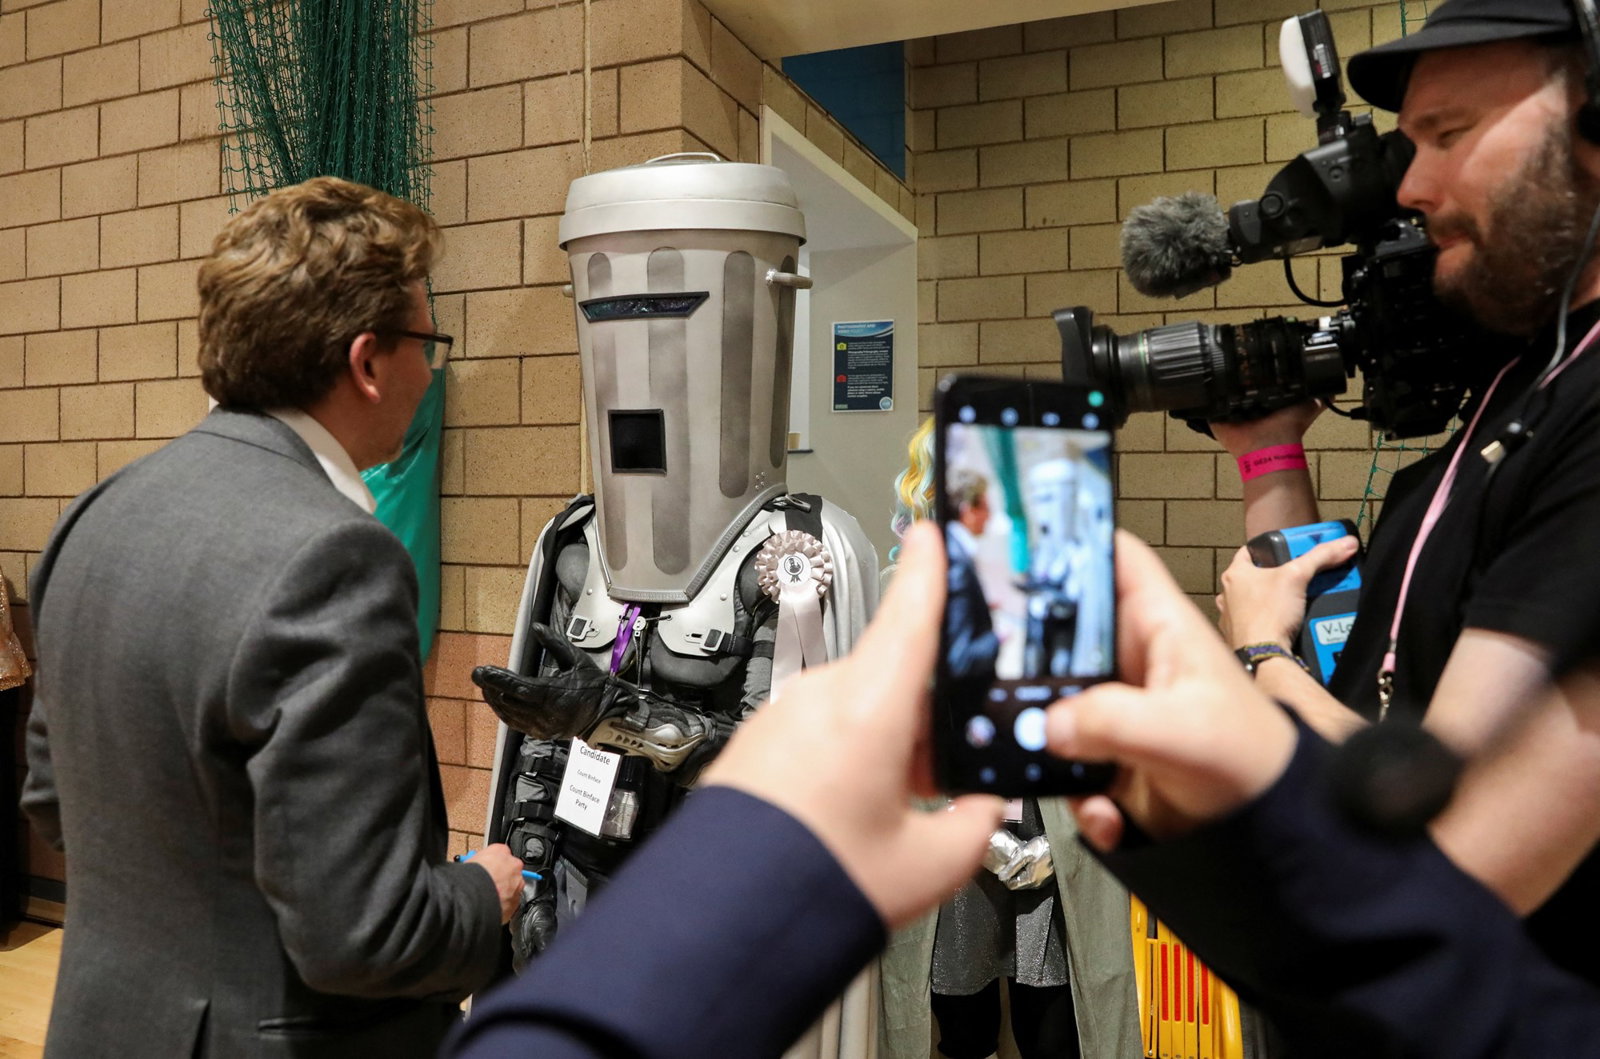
{"points": [[435, 347]]}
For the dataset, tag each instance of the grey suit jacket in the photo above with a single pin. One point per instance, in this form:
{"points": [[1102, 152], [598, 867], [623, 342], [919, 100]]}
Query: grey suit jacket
{"points": [[229, 739]]}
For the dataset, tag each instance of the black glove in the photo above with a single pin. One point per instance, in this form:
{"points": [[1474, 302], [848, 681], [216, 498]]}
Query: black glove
{"points": [[530, 806], [584, 700], [534, 927], [567, 703]]}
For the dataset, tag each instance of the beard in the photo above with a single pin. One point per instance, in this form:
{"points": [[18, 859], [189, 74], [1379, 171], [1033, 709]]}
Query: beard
{"points": [[1537, 223]]}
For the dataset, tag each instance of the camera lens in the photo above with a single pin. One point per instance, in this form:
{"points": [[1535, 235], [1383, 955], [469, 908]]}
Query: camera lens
{"points": [[1170, 367], [1203, 371]]}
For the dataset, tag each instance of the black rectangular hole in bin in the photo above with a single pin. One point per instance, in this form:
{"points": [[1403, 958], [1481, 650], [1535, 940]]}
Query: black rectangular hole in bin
{"points": [[639, 441]]}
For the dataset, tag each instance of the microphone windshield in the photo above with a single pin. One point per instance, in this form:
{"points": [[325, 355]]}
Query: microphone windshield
{"points": [[1175, 246]]}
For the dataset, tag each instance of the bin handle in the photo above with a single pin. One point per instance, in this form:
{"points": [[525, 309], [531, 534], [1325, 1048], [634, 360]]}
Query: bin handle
{"points": [[711, 156], [787, 279]]}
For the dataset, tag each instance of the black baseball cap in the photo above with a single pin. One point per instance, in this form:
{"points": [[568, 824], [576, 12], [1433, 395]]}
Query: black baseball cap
{"points": [[1379, 75]]}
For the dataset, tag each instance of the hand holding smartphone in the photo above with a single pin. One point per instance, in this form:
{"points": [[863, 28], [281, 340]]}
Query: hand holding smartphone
{"points": [[1023, 495]]}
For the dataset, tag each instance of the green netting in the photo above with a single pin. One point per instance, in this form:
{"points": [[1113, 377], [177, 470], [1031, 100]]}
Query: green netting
{"points": [[1387, 458], [325, 87], [339, 88], [1412, 15]]}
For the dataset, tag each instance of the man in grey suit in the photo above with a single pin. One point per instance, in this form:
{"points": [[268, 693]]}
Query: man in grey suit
{"points": [[228, 735], [973, 643]]}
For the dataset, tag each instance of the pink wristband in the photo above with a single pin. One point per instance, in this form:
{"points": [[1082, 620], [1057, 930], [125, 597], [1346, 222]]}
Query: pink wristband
{"points": [[1277, 458]]}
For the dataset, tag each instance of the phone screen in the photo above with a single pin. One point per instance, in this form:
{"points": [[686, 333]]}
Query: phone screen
{"points": [[1024, 497]]}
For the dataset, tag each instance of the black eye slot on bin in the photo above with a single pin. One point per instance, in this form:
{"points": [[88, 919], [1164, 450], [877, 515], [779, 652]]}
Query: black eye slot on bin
{"points": [[638, 441], [643, 306]]}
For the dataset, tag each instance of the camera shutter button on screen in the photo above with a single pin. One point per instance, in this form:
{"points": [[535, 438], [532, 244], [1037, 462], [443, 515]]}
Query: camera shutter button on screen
{"points": [[1030, 728]]}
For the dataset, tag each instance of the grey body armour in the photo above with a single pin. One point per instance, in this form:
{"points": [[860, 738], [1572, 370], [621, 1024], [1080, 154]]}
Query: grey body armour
{"points": [[711, 656]]}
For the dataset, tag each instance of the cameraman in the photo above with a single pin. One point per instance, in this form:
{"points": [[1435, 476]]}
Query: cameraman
{"points": [[1482, 582]]}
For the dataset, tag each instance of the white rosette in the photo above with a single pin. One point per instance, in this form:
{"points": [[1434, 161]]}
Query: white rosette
{"points": [[795, 570]]}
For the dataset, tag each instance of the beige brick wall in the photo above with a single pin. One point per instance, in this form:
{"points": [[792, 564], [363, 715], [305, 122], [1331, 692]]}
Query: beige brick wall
{"points": [[97, 259], [1030, 145], [111, 189]]}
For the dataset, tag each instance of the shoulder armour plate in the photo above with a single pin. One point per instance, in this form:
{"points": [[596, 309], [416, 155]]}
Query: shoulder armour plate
{"points": [[699, 626], [592, 624]]}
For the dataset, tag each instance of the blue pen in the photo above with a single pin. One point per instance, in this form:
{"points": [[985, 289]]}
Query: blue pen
{"points": [[526, 874]]}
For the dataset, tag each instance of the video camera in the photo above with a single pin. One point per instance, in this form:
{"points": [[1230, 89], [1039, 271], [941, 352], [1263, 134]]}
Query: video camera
{"points": [[1417, 357]]}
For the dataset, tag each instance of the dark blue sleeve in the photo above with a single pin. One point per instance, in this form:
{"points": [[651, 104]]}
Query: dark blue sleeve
{"points": [[1353, 944], [725, 935], [973, 644]]}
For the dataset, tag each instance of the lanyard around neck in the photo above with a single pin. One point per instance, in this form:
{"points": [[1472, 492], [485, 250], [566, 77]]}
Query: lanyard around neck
{"points": [[1436, 506]]}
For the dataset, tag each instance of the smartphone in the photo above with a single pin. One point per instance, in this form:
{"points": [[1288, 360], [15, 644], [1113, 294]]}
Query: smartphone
{"points": [[1022, 476]]}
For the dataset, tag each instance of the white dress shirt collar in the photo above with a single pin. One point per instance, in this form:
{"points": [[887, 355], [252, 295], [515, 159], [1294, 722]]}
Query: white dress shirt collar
{"points": [[962, 537], [340, 468]]}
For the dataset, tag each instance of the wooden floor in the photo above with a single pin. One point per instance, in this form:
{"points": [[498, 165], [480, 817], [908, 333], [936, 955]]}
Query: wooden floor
{"points": [[29, 954]]}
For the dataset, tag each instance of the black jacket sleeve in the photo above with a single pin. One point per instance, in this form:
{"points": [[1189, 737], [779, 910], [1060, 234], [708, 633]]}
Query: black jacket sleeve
{"points": [[1357, 945], [726, 934]]}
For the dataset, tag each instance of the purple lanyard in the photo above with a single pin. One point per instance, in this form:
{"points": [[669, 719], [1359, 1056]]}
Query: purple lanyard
{"points": [[630, 618]]}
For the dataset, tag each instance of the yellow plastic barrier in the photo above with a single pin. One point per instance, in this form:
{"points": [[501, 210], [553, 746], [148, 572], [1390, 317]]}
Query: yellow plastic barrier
{"points": [[1185, 1011]]}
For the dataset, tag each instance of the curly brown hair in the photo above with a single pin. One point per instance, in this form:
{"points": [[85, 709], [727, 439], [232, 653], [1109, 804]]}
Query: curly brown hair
{"points": [[292, 280]]}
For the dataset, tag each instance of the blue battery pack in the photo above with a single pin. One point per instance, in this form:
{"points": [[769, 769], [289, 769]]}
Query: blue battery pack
{"points": [[1331, 598]]}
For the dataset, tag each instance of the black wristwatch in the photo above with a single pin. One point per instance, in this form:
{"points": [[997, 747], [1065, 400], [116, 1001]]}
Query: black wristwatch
{"points": [[1252, 655]]}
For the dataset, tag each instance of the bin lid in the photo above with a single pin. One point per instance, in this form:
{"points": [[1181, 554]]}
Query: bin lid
{"points": [[683, 191]]}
